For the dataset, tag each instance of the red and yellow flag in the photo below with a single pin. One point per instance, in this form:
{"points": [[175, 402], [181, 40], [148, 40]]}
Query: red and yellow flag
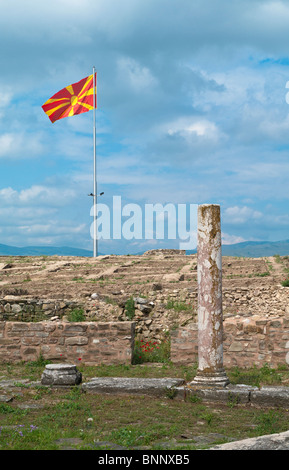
{"points": [[74, 99]]}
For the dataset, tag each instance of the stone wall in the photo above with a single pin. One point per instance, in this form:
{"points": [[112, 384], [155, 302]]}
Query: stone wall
{"points": [[89, 342], [15, 308], [247, 342]]}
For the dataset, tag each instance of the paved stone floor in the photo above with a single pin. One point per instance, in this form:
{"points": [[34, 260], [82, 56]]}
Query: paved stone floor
{"points": [[271, 396]]}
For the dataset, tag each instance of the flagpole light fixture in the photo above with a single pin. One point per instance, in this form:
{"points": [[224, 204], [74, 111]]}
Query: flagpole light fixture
{"points": [[100, 194]]}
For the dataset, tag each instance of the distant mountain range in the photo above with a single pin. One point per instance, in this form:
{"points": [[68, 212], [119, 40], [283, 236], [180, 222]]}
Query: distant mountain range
{"points": [[246, 249], [6, 250], [255, 249]]}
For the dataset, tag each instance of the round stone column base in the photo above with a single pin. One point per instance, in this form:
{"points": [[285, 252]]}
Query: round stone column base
{"points": [[61, 375], [210, 379]]}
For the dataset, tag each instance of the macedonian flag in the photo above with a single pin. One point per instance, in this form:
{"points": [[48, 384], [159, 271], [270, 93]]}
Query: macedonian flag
{"points": [[74, 99]]}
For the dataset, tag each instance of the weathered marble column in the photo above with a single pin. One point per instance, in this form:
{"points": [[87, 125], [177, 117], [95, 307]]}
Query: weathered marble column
{"points": [[210, 314]]}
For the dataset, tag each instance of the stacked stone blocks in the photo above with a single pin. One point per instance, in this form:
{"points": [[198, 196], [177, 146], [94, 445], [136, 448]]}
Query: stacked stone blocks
{"points": [[91, 343], [247, 342]]}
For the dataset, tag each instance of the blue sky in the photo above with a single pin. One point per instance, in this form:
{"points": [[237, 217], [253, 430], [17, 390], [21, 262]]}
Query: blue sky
{"points": [[191, 109]]}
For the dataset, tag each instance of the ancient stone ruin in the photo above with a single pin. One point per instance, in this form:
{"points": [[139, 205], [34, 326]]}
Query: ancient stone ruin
{"points": [[61, 375], [70, 308]]}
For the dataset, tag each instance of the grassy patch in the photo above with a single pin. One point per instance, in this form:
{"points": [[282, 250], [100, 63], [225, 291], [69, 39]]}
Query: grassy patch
{"points": [[267, 422], [125, 421], [285, 282], [76, 315], [78, 279], [129, 420], [266, 273], [110, 301], [178, 306], [234, 276], [258, 376]]}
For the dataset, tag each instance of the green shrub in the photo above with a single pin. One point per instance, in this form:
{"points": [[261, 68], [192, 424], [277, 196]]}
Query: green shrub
{"points": [[129, 308], [76, 315], [285, 283]]}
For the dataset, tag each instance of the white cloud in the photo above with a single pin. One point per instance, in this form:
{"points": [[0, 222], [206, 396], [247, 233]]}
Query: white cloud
{"points": [[36, 195], [20, 145], [241, 215], [8, 194], [239, 85], [19, 214], [5, 98], [46, 195], [192, 126], [51, 229], [42, 215], [137, 76], [231, 239]]}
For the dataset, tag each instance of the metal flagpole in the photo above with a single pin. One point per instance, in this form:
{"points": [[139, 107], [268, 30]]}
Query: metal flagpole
{"points": [[94, 170]]}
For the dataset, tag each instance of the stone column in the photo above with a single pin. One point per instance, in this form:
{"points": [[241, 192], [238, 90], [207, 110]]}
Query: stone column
{"points": [[210, 314]]}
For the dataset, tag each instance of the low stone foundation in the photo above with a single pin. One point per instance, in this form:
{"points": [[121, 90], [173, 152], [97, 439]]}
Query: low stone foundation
{"points": [[248, 341], [15, 308], [89, 342]]}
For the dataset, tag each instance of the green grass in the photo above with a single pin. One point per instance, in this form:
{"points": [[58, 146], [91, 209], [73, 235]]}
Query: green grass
{"points": [[110, 301], [266, 273], [267, 422], [131, 421], [257, 377], [78, 279], [234, 276], [285, 283], [178, 306], [76, 315]]}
